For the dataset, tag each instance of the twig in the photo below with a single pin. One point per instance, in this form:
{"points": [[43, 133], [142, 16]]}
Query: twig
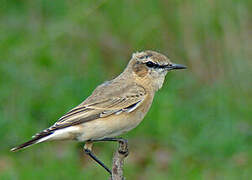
{"points": [[118, 161]]}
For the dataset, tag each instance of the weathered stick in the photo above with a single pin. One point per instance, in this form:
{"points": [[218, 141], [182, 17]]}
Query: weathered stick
{"points": [[118, 161]]}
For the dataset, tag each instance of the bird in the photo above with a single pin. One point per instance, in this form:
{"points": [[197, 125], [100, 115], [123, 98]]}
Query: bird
{"points": [[114, 107]]}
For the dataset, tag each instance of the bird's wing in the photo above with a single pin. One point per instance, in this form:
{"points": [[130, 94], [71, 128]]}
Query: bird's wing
{"points": [[102, 103]]}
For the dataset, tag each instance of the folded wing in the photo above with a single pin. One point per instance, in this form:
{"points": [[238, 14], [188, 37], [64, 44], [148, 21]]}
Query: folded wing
{"points": [[98, 105]]}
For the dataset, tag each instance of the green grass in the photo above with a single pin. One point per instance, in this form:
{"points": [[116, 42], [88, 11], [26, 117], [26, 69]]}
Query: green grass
{"points": [[54, 53]]}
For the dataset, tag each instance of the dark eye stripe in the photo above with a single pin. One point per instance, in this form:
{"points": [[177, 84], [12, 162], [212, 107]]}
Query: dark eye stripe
{"points": [[154, 65], [151, 64]]}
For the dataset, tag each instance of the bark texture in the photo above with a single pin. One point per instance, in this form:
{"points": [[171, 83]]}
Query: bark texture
{"points": [[118, 161]]}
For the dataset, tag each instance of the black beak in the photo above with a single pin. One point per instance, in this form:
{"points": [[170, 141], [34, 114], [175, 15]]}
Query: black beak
{"points": [[175, 66]]}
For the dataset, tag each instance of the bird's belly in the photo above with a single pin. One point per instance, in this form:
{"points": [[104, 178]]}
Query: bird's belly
{"points": [[109, 126]]}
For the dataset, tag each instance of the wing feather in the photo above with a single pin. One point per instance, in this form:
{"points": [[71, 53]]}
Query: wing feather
{"points": [[99, 105]]}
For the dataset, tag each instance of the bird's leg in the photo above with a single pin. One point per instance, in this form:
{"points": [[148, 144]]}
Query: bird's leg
{"points": [[122, 150], [87, 150], [119, 156]]}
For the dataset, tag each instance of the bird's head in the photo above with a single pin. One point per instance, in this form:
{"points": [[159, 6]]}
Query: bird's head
{"points": [[152, 66]]}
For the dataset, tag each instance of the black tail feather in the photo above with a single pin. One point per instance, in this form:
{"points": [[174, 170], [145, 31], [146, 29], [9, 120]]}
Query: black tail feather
{"points": [[32, 141]]}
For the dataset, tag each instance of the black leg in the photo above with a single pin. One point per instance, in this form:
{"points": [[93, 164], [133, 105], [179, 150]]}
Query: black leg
{"points": [[119, 140], [88, 152]]}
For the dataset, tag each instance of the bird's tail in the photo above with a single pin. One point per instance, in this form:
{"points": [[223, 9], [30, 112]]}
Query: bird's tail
{"points": [[38, 138]]}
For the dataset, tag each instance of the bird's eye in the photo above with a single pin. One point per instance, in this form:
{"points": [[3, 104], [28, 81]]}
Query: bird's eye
{"points": [[150, 64]]}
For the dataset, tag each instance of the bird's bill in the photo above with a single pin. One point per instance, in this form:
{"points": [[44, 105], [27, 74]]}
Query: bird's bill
{"points": [[176, 66]]}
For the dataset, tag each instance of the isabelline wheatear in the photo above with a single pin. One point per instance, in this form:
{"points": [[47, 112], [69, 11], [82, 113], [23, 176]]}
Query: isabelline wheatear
{"points": [[114, 107]]}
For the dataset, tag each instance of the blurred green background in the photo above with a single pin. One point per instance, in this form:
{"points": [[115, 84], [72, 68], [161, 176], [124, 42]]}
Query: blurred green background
{"points": [[54, 53]]}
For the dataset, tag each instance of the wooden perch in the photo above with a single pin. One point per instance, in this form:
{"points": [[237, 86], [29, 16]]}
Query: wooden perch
{"points": [[118, 161]]}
